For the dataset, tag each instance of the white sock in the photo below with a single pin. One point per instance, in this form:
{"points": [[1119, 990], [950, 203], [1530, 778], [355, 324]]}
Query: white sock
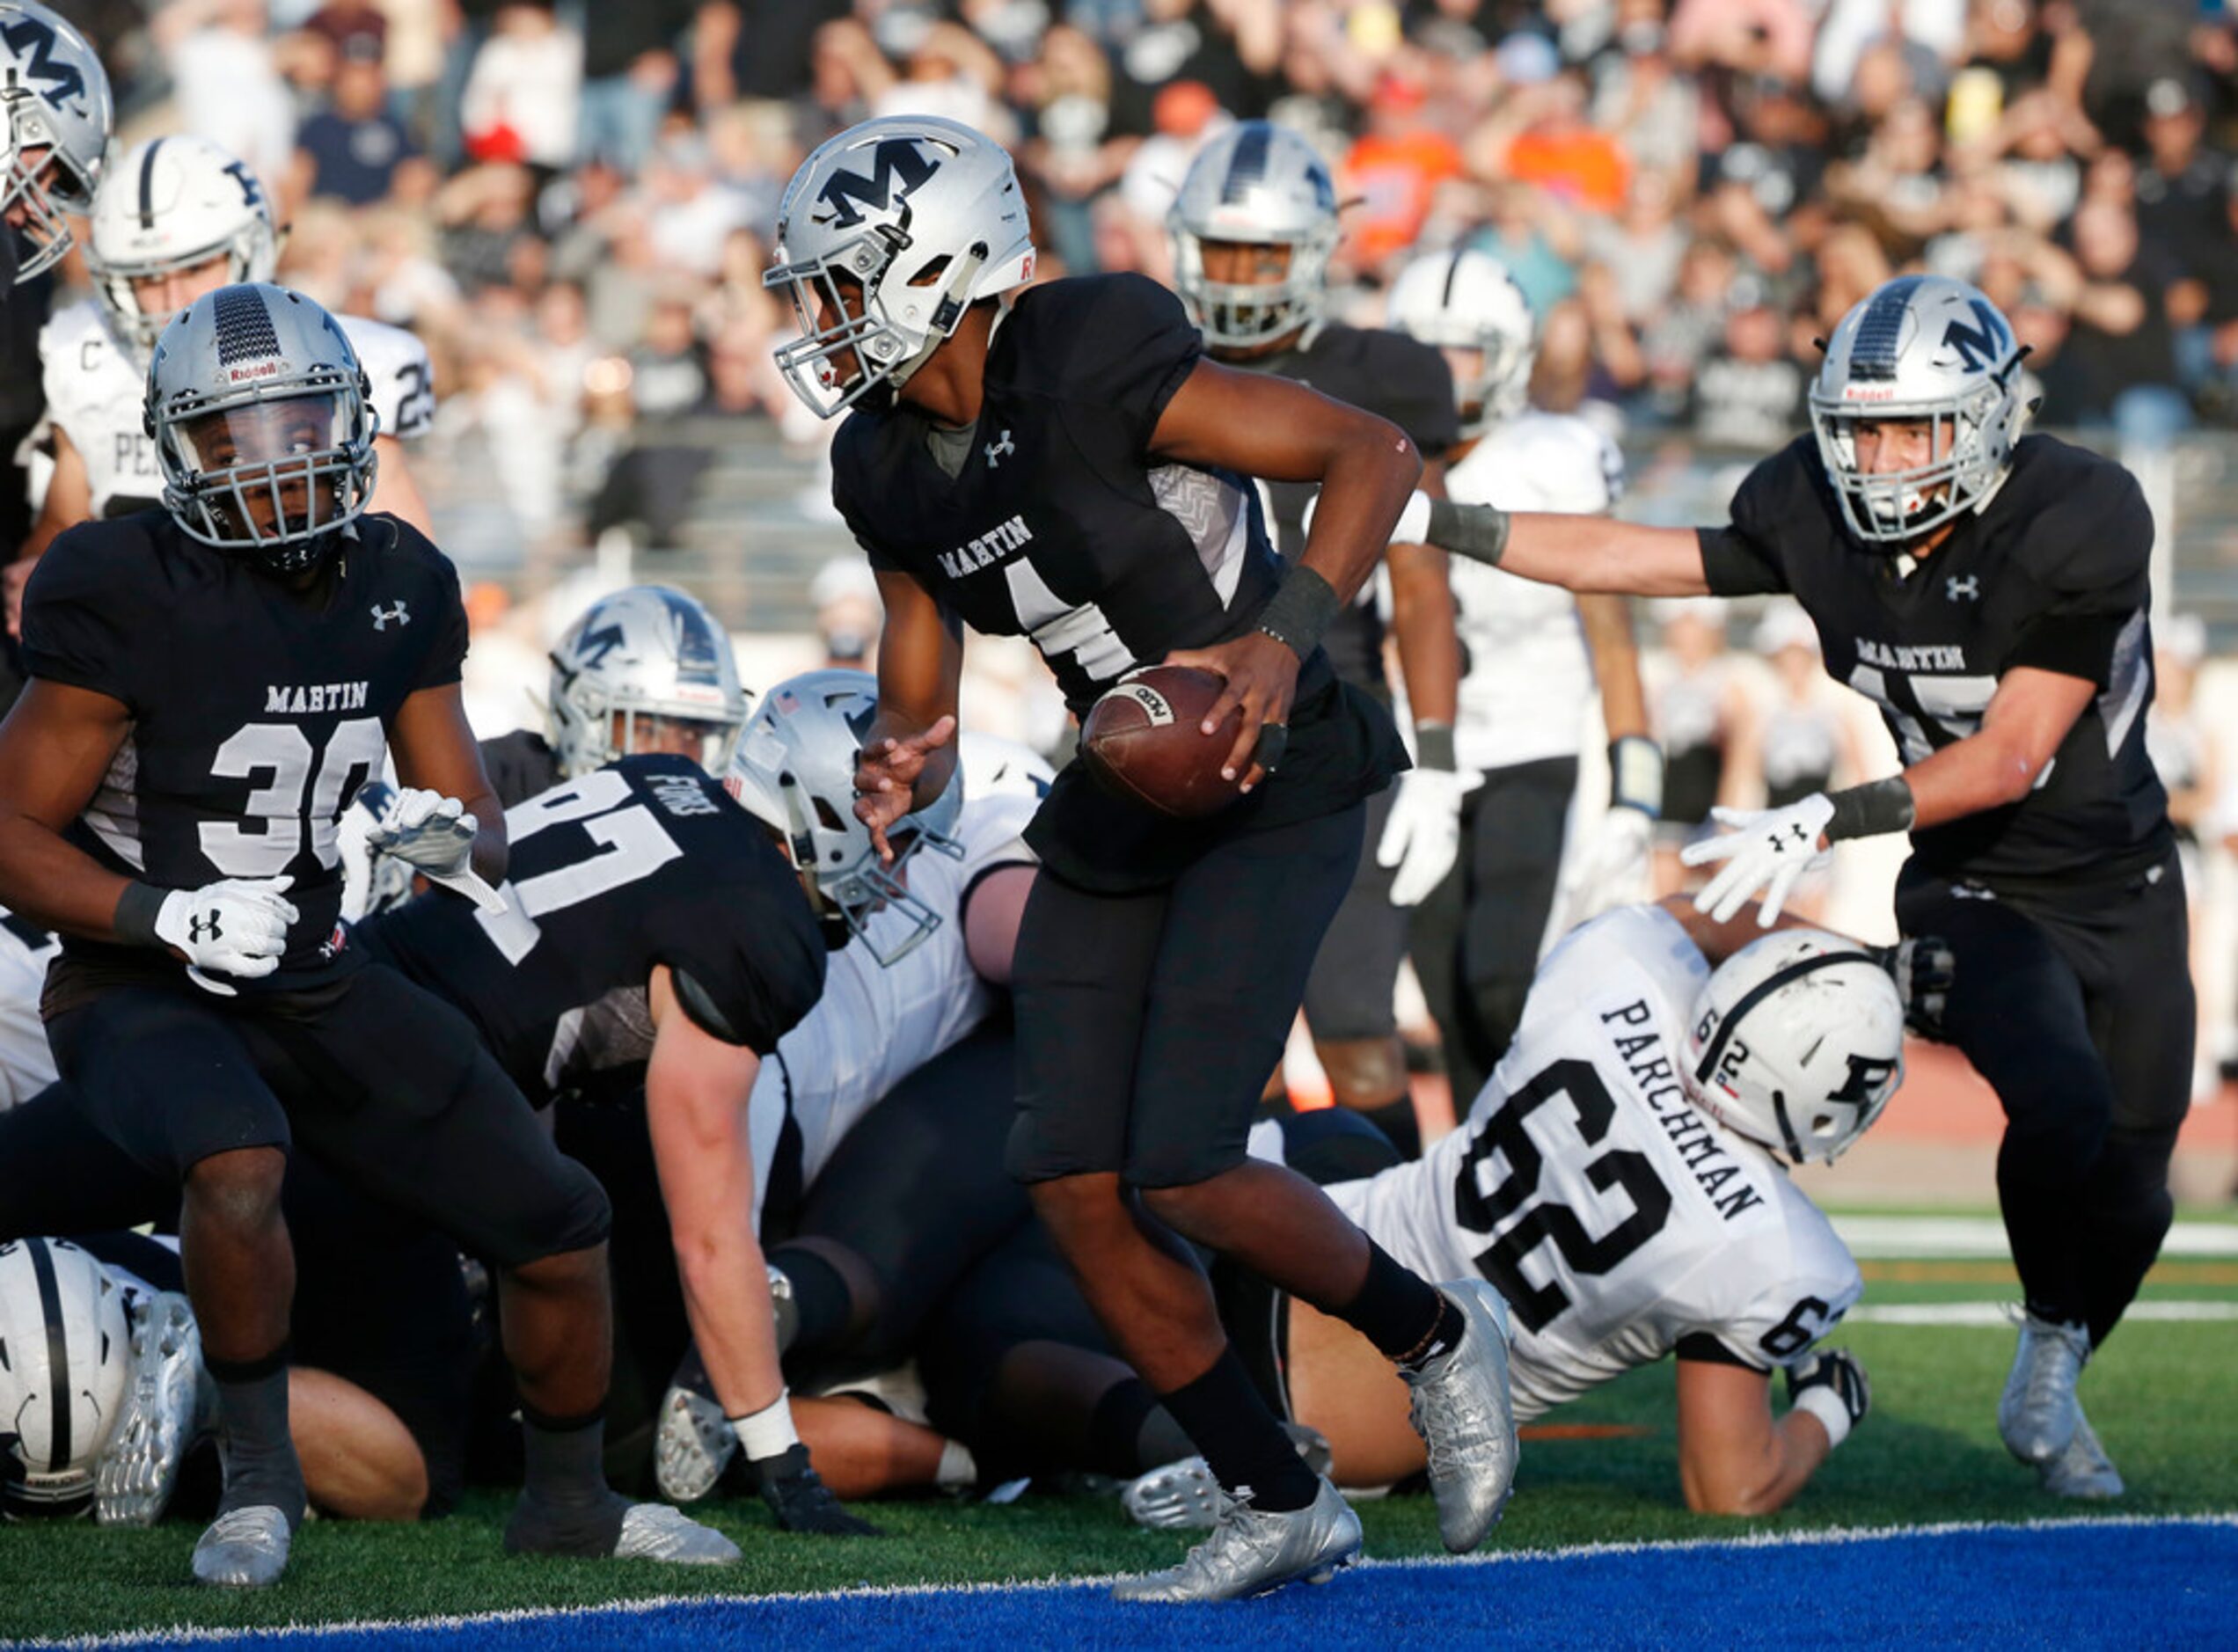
{"points": [[956, 1466], [768, 1432]]}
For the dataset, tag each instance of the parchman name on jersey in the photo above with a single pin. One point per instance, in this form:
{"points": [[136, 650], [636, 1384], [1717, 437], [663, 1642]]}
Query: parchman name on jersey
{"points": [[1927, 656], [305, 699], [988, 549], [679, 794], [1642, 1053]]}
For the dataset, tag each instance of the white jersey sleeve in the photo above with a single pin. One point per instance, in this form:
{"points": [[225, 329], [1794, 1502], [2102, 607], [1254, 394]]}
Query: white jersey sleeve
{"points": [[27, 1064], [1615, 1218], [95, 393], [402, 379]]}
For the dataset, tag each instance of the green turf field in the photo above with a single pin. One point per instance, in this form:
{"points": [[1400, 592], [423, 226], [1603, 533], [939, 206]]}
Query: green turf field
{"points": [[2162, 1399]]}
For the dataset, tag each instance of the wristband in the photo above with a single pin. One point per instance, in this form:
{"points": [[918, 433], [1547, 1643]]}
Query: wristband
{"points": [[1412, 527], [136, 911], [768, 1432], [1434, 746], [1479, 532], [1869, 810], [1300, 611], [1636, 775], [1824, 1404]]}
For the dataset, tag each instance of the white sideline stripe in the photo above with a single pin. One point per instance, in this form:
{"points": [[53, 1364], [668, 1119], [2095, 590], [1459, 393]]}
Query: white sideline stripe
{"points": [[1829, 1536], [1886, 1237], [2000, 1314]]}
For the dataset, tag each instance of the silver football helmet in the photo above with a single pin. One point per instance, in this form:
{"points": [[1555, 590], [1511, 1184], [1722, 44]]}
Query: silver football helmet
{"points": [[169, 205], [640, 667], [1796, 1043], [68, 1357], [994, 767], [1929, 348], [1259, 185], [794, 771], [892, 230], [263, 424], [56, 97], [1466, 300]]}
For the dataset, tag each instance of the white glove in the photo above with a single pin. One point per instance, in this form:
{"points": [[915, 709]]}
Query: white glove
{"points": [[1767, 849], [1422, 835], [236, 927], [372, 881], [1619, 864], [427, 830]]}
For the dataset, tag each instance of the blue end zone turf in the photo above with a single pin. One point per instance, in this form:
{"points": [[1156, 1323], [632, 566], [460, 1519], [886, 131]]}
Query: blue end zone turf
{"points": [[2079, 1582]]}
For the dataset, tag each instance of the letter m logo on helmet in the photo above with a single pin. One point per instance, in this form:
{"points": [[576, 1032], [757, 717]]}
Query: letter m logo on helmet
{"points": [[33, 41], [1981, 345], [842, 202]]}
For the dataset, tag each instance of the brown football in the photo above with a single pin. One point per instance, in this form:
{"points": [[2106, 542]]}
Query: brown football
{"points": [[1141, 740]]}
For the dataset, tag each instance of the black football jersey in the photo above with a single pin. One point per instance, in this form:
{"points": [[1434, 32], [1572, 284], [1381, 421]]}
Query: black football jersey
{"points": [[2052, 574], [520, 764], [646, 861], [1394, 378], [257, 711]]}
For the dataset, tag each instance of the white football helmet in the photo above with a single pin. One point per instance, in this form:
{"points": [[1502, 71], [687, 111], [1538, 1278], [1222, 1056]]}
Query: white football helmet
{"points": [[56, 97], [263, 423], [65, 1359], [648, 652], [916, 219], [1261, 184], [1796, 1043], [794, 771], [1931, 348], [1466, 300], [994, 767], [168, 205]]}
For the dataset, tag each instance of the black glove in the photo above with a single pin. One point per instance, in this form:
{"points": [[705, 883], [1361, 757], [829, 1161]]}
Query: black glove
{"points": [[797, 1495], [1922, 969], [1831, 1385]]}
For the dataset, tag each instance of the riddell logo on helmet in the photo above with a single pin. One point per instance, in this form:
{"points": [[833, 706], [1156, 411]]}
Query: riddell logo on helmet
{"points": [[261, 369], [1869, 392]]}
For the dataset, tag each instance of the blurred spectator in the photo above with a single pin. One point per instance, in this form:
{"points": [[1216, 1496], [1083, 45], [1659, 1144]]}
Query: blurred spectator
{"points": [[848, 613], [1642, 98], [1540, 137], [1748, 395], [1231, 47], [2209, 344], [522, 96], [1700, 710], [756, 49], [353, 151], [1394, 172], [228, 81], [2179, 183], [1071, 151], [2121, 349], [630, 72]]}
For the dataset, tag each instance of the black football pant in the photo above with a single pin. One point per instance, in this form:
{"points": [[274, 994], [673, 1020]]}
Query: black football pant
{"points": [[1476, 938], [2076, 1005]]}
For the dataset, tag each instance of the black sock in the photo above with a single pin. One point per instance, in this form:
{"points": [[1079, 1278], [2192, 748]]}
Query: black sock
{"points": [[822, 1302], [261, 1465], [565, 1506], [1131, 1433], [1396, 1120], [1406, 1318], [1228, 1422]]}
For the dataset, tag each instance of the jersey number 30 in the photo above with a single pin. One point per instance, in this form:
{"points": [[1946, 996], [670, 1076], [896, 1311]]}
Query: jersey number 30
{"points": [[1541, 1219]]}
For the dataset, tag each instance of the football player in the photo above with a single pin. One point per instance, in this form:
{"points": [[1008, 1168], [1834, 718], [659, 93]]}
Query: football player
{"points": [[1990, 590], [1528, 666], [55, 95], [1254, 226], [175, 218], [210, 683], [1063, 464]]}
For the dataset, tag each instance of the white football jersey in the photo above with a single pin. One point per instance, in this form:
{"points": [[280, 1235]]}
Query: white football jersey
{"points": [[26, 1064], [1526, 674], [96, 392], [876, 1025], [1615, 1218]]}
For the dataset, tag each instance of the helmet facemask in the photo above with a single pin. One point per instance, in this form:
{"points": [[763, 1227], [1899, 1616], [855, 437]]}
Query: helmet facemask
{"points": [[1970, 437], [1244, 315], [138, 327], [42, 179], [645, 669], [887, 349], [273, 477], [849, 892]]}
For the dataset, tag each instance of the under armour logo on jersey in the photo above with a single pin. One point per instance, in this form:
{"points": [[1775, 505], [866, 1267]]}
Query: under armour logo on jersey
{"points": [[200, 929], [995, 449], [394, 611], [1965, 590]]}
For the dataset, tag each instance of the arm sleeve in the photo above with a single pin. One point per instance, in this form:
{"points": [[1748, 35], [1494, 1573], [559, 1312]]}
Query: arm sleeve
{"points": [[78, 627], [445, 660], [2092, 557]]}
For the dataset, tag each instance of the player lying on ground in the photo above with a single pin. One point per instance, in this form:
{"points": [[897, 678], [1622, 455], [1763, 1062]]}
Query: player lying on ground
{"points": [[1062, 463], [1990, 592], [259, 642]]}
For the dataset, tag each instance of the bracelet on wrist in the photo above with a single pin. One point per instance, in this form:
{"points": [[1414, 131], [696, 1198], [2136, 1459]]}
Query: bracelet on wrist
{"points": [[1301, 608], [1434, 746]]}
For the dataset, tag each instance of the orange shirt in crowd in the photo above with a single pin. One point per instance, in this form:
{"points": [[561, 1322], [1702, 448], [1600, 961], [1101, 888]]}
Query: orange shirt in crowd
{"points": [[1396, 176], [1580, 164]]}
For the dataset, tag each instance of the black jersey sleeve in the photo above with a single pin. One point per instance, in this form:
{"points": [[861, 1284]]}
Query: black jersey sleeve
{"points": [[748, 977], [445, 661], [1119, 344], [2092, 558], [1743, 557], [84, 619], [1414, 390], [851, 480]]}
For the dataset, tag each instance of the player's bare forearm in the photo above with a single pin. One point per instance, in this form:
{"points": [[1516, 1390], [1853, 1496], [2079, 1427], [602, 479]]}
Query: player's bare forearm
{"points": [[1734, 1458], [2028, 718], [920, 667], [1595, 554], [55, 747], [1606, 621], [1422, 621], [1274, 428], [433, 747]]}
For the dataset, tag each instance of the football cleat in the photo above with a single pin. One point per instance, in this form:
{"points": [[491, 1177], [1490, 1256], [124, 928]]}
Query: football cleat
{"points": [[694, 1442], [1183, 1494], [1256, 1552], [246, 1548], [655, 1531], [2083, 1470], [2039, 1414], [797, 1495], [137, 1475], [1466, 1416]]}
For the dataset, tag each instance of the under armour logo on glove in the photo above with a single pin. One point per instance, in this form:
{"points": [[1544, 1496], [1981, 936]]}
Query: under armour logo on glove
{"points": [[200, 929], [394, 611], [1766, 850], [235, 927], [995, 451]]}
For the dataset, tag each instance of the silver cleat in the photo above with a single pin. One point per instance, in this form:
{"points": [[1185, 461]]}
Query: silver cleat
{"points": [[1184, 1495], [138, 1472], [1254, 1551], [2039, 1414], [2083, 1470], [691, 1446], [655, 1531], [1463, 1411], [245, 1549]]}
